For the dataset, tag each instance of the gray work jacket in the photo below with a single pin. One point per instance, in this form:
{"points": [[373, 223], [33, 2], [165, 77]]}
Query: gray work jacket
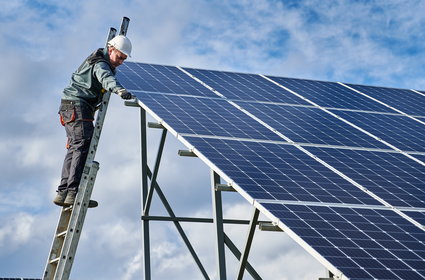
{"points": [[92, 78]]}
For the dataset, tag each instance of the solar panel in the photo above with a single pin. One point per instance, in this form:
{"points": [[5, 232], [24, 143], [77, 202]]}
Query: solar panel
{"points": [[204, 116], [362, 243], [329, 94], [20, 279], [342, 172], [420, 157], [404, 100], [279, 172], [392, 176], [310, 125], [400, 131], [418, 216], [159, 78], [240, 86]]}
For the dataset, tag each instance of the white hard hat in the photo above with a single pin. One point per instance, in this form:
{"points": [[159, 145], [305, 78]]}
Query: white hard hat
{"points": [[122, 44]]}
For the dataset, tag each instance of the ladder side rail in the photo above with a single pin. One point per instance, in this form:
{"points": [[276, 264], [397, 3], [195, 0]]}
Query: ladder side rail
{"points": [[65, 241], [75, 225], [52, 268], [97, 130], [84, 193], [57, 244], [87, 182]]}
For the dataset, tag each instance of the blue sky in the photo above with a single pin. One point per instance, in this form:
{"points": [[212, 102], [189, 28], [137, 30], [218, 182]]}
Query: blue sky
{"points": [[42, 42]]}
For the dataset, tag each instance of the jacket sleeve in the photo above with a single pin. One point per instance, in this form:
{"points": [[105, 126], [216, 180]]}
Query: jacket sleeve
{"points": [[106, 77]]}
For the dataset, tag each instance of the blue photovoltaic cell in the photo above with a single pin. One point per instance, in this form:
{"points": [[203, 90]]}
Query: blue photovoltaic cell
{"points": [[205, 116], [245, 86], [400, 131], [419, 157], [362, 243], [393, 177], [360, 239], [310, 125], [417, 216], [158, 78], [329, 94], [404, 100], [278, 172]]}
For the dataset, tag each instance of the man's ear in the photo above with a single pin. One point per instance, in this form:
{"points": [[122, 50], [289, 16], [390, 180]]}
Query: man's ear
{"points": [[110, 49]]}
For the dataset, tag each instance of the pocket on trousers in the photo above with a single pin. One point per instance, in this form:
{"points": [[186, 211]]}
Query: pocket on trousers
{"points": [[67, 114]]}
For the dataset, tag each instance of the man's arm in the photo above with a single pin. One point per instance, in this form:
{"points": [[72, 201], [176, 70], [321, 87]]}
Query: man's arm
{"points": [[106, 77]]}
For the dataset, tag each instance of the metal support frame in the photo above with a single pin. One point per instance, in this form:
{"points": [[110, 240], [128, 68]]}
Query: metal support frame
{"points": [[218, 225], [238, 254], [329, 277], [244, 257], [148, 190], [155, 174], [144, 193], [268, 226]]}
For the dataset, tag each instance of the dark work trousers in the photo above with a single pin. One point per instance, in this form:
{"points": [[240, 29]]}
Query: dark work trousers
{"points": [[78, 121]]}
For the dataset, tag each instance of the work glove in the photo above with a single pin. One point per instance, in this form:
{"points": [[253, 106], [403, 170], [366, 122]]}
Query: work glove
{"points": [[124, 94]]}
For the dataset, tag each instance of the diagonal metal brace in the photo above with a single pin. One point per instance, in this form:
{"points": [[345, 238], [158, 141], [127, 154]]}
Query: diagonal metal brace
{"points": [[237, 254], [244, 257], [178, 226], [155, 173]]}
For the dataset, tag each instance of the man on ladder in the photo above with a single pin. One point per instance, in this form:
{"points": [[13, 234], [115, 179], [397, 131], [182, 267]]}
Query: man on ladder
{"points": [[93, 78], [90, 87]]}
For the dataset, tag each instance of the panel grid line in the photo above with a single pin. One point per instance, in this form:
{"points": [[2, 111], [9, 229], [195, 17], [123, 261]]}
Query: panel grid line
{"points": [[355, 148], [357, 234], [382, 103], [268, 102], [418, 92], [341, 174], [398, 210], [347, 122]]}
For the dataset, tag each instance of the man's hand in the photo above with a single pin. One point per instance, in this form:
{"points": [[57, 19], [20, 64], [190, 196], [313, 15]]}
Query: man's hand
{"points": [[124, 93]]}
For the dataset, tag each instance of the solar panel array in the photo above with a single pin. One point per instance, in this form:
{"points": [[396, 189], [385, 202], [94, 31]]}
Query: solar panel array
{"points": [[20, 279], [339, 167]]}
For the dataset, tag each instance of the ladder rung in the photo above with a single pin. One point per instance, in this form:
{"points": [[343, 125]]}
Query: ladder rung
{"points": [[60, 267], [54, 260], [63, 233]]}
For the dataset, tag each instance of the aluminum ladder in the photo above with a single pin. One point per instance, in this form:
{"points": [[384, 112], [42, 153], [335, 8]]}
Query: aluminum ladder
{"points": [[71, 220]]}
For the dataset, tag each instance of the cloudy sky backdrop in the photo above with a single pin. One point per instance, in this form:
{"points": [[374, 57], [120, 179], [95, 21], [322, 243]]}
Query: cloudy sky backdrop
{"points": [[43, 42]]}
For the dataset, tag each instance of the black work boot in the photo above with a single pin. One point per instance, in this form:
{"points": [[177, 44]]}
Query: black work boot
{"points": [[60, 198]]}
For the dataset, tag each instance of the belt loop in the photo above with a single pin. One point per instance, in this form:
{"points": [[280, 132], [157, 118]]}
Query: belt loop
{"points": [[68, 102]]}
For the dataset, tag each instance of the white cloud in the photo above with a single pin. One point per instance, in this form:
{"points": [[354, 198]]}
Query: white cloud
{"points": [[134, 267], [16, 231], [352, 41]]}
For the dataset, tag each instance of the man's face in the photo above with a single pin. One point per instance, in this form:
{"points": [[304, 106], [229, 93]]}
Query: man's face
{"points": [[116, 57]]}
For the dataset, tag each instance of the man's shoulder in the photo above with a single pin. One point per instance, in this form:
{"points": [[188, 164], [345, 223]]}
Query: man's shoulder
{"points": [[97, 56], [103, 65]]}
